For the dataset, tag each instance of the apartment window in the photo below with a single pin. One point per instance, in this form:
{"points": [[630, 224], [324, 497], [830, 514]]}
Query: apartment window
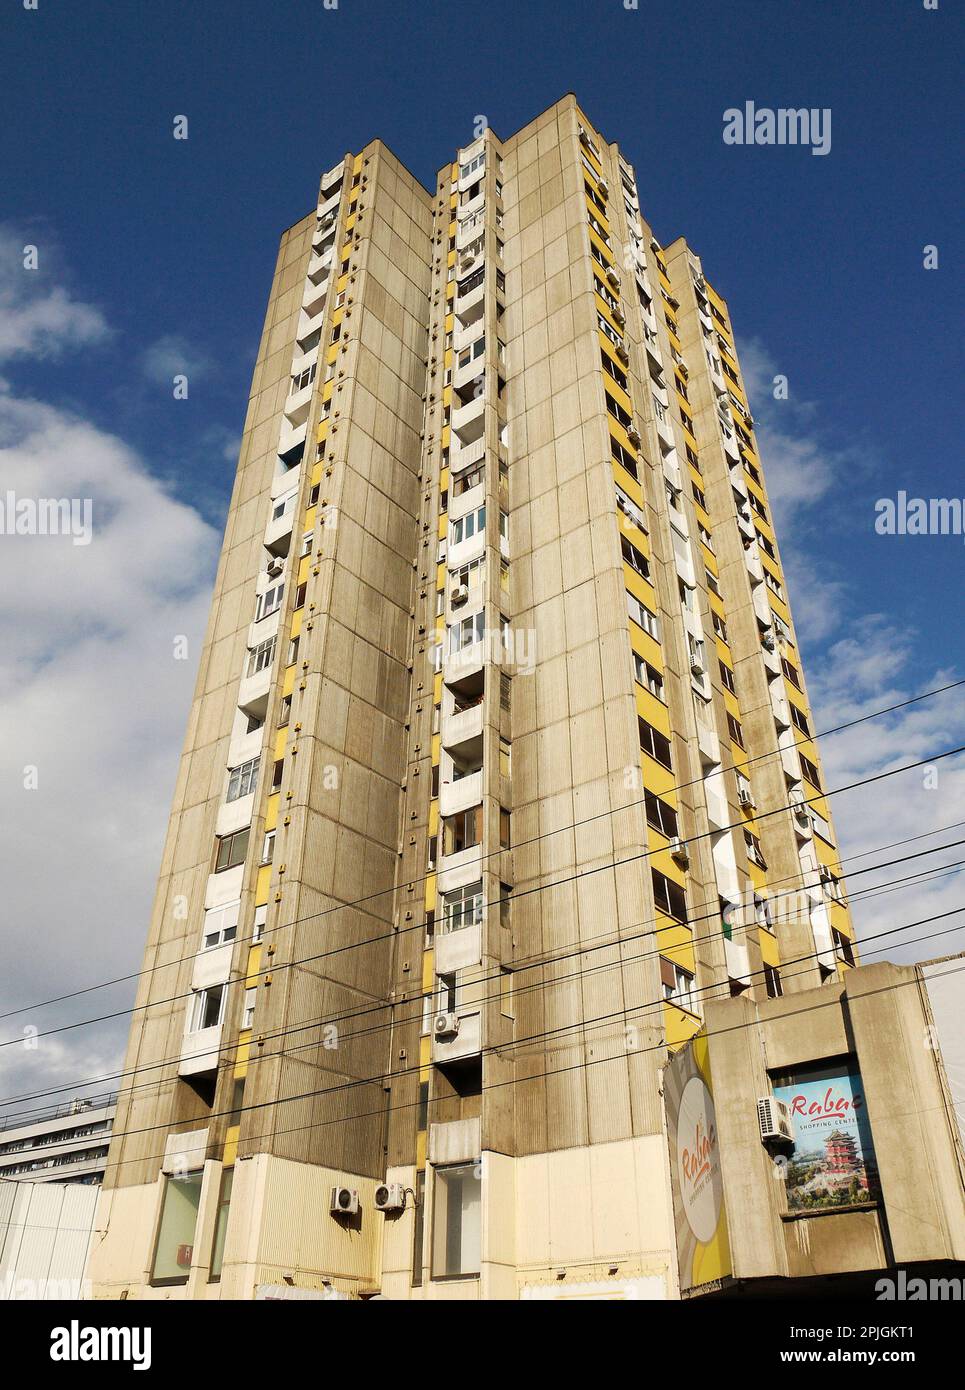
{"points": [[456, 1221], [772, 982], [609, 366], [505, 829], [791, 673], [643, 617], [635, 558], [283, 505], [655, 743], [727, 678], [302, 380], [467, 632], [285, 712], [699, 497], [630, 509], [175, 1238], [232, 849], [207, 1008], [292, 651], [462, 907], [660, 815], [647, 675], [799, 718], [712, 583], [258, 926], [242, 779], [260, 657], [220, 925], [462, 831], [705, 536], [720, 627], [300, 595], [669, 896], [678, 985], [504, 526], [810, 772], [248, 1008], [473, 524], [623, 457], [505, 758], [269, 602], [736, 732], [773, 584], [765, 544], [842, 947], [254, 721], [617, 411], [268, 848]]}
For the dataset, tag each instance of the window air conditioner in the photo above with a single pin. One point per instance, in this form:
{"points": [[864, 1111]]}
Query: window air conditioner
{"points": [[276, 565], [745, 796], [603, 187], [445, 1025], [679, 851], [633, 434], [345, 1201], [622, 353], [459, 593], [390, 1196], [613, 277], [774, 1120]]}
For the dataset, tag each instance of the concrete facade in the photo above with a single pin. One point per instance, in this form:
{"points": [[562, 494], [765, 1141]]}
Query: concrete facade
{"points": [[474, 819]]}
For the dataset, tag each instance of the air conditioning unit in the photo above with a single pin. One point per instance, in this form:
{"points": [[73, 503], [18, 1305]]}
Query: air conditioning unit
{"points": [[390, 1196], [445, 1025], [276, 565], [679, 851], [696, 666], [620, 316], [767, 641], [603, 187], [329, 218], [345, 1201], [633, 434], [613, 277], [745, 797], [774, 1120], [622, 353], [459, 593]]}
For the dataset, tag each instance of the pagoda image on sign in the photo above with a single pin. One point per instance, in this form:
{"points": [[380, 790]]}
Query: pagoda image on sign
{"points": [[841, 1153]]}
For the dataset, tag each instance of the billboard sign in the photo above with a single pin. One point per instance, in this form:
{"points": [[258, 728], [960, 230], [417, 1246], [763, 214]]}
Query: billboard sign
{"points": [[833, 1162]]}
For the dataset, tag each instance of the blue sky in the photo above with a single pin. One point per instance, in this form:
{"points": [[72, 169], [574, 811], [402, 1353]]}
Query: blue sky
{"points": [[156, 255]]}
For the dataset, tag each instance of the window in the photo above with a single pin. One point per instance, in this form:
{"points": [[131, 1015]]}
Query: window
{"points": [[302, 380], [456, 1223], [248, 1008], [473, 524], [505, 829], [635, 558], [713, 583], [258, 926], [630, 509], [242, 779], [727, 678], [232, 849], [467, 632], [842, 947], [285, 711], [505, 758], [772, 982], [611, 367], [660, 815], [810, 772], [790, 673], [269, 602], [462, 831], [207, 1008], [260, 657], [462, 907], [268, 848], [720, 627], [800, 719], [648, 676], [505, 691], [623, 457], [773, 584], [175, 1238], [678, 984], [642, 616], [669, 896], [736, 732], [220, 1226], [300, 595], [220, 925], [617, 411], [654, 743]]}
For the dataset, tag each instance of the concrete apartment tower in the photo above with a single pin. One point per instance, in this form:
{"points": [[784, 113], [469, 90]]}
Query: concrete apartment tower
{"points": [[499, 764]]}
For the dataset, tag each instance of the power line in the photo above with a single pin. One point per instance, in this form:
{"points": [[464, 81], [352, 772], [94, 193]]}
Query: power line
{"points": [[385, 1110], [585, 948], [676, 786], [398, 931]]}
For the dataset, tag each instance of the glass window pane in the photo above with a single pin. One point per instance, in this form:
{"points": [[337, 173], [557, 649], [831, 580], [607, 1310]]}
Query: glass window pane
{"points": [[456, 1221], [175, 1241]]}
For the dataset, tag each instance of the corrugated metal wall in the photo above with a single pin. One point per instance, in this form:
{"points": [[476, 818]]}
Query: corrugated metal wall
{"points": [[45, 1234]]}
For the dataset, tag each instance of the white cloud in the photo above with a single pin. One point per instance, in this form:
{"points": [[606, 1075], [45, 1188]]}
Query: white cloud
{"points": [[92, 696], [37, 318], [170, 356]]}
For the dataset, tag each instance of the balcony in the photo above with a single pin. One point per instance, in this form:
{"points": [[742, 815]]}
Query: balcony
{"points": [[737, 959], [199, 1051], [464, 456], [462, 729], [308, 324], [460, 792], [455, 950], [253, 692], [291, 443], [466, 1043]]}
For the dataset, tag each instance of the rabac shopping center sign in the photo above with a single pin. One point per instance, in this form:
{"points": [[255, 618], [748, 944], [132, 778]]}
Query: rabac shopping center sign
{"points": [[703, 1250]]}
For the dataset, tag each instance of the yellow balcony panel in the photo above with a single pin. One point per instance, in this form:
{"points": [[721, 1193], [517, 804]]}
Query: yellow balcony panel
{"points": [[443, 526], [281, 740], [451, 290], [770, 951], [628, 483], [331, 356], [288, 681], [732, 704], [262, 885], [640, 587], [242, 1055], [253, 966], [431, 894], [662, 861], [428, 972], [674, 940], [304, 569], [758, 875], [600, 245], [679, 1025], [651, 709], [658, 779], [644, 645], [444, 480], [311, 516], [450, 324], [230, 1152], [433, 824], [421, 1147], [446, 436], [271, 812], [437, 688], [296, 625]]}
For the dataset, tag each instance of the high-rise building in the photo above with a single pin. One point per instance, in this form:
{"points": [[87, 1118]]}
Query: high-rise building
{"points": [[66, 1144], [500, 762]]}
